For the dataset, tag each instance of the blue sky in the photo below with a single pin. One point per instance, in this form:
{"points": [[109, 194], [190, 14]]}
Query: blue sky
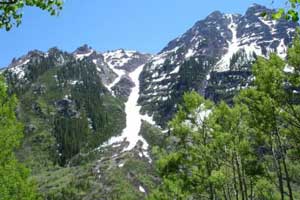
{"points": [[144, 25]]}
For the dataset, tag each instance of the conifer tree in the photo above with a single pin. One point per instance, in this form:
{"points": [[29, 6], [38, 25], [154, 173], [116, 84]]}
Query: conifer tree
{"points": [[249, 150], [14, 183]]}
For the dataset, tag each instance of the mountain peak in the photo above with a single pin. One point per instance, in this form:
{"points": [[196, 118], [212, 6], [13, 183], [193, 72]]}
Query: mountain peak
{"points": [[215, 15], [220, 43], [83, 51], [257, 9]]}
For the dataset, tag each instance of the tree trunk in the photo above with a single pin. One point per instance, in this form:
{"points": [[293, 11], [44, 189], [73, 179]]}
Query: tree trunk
{"points": [[234, 181], [288, 181], [251, 189], [244, 180], [239, 177], [279, 173], [229, 192], [224, 193]]}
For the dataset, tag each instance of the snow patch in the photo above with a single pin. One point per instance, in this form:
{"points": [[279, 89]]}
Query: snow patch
{"points": [[133, 118], [19, 69], [270, 23], [233, 47], [120, 73], [141, 189], [119, 57], [116, 60], [281, 49], [190, 53], [74, 82], [79, 56], [289, 69]]}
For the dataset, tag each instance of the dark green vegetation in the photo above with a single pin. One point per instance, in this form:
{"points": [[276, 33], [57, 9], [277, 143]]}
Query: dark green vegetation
{"points": [[195, 61], [67, 113], [14, 184], [100, 175], [249, 150], [191, 76], [246, 148], [152, 134], [11, 15], [291, 13]]}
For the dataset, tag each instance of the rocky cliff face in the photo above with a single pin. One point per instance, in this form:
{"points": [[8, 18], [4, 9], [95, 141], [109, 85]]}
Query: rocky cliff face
{"points": [[66, 97], [72, 103], [213, 57]]}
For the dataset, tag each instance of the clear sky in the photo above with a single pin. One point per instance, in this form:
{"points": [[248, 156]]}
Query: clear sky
{"points": [[144, 25]]}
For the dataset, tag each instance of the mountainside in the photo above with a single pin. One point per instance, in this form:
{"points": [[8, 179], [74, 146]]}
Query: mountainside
{"points": [[71, 103], [213, 58], [64, 103], [91, 118]]}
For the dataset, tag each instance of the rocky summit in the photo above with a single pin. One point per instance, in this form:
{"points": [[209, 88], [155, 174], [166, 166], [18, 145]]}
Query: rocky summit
{"points": [[214, 57], [92, 118]]}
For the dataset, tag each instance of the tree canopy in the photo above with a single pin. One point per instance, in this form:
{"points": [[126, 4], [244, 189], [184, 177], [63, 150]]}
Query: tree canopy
{"points": [[249, 150], [11, 10], [14, 183], [289, 13]]}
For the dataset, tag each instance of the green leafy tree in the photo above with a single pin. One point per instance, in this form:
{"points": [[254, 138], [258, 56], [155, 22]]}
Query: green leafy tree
{"points": [[289, 13], [14, 184], [264, 118], [274, 109], [11, 10], [249, 150], [186, 164]]}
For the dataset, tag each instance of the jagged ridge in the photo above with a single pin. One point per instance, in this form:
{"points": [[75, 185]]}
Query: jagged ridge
{"points": [[219, 43]]}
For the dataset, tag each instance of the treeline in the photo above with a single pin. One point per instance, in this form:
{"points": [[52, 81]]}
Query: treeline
{"points": [[87, 118], [71, 136], [250, 150]]}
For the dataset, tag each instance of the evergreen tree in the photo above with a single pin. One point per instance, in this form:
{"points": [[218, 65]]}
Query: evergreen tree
{"points": [[186, 164], [14, 184], [247, 151]]}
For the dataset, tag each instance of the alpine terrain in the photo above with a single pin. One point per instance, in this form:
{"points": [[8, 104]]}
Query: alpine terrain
{"points": [[214, 58], [92, 118]]}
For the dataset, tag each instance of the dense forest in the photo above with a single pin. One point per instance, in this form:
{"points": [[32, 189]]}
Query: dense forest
{"points": [[249, 150], [239, 144], [14, 183]]}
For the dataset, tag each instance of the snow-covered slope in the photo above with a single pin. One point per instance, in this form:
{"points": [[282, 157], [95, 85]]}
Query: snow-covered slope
{"points": [[82, 52], [122, 62], [233, 46], [18, 67], [133, 116], [112, 67], [125, 60], [219, 43]]}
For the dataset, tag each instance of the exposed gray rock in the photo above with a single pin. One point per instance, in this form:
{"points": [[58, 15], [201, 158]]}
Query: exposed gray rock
{"points": [[137, 59], [104, 71], [220, 42], [123, 88], [29, 128], [66, 107], [39, 89], [84, 49], [126, 60]]}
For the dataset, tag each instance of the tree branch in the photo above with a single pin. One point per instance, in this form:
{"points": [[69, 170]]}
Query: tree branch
{"points": [[8, 2]]}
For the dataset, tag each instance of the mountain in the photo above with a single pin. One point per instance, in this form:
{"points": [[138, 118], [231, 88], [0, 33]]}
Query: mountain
{"points": [[214, 57], [72, 103], [91, 118]]}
